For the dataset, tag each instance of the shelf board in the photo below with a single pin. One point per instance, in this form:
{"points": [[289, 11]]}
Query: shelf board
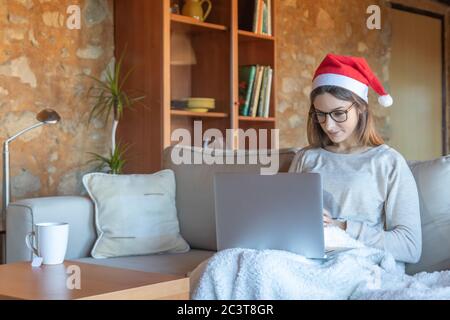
{"points": [[184, 113], [251, 36], [194, 24], [258, 119]]}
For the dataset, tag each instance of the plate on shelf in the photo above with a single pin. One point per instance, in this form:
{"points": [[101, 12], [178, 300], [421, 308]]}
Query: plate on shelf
{"points": [[200, 104], [198, 109]]}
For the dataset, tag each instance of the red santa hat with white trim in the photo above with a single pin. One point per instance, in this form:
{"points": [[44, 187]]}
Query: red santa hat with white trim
{"points": [[351, 73]]}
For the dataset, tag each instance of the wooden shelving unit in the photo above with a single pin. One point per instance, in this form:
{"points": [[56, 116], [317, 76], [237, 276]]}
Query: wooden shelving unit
{"points": [[251, 36], [195, 24], [183, 113], [148, 29], [259, 119]]}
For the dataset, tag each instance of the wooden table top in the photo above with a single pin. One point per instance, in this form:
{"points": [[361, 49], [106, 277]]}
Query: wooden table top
{"points": [[21, 281]]}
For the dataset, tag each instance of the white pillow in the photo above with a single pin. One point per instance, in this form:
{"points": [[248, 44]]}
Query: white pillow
{"points": [[433, 183], [134, 214]]}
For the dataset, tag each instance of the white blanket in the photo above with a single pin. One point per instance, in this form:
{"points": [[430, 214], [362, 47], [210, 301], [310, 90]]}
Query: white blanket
{"points": [[360, 273]]}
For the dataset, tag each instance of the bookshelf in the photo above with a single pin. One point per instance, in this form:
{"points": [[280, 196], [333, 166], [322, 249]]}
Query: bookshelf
{"points": [[152, 35], [198, 26], [258, 119], [184, 113]]}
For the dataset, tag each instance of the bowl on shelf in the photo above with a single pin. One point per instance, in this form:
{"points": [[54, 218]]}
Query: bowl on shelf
{"points": [[200, 104]]}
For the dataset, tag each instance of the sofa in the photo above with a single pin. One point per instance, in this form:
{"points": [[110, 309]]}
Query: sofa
{"points": [[195, 207]]}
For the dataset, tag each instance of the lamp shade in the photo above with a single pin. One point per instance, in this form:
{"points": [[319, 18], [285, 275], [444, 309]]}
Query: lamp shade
{"points": [[182, 51], [48, 116]]}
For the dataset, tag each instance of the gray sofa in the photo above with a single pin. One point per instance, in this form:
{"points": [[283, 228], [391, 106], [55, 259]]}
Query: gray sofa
{"points": [[195, 205]]}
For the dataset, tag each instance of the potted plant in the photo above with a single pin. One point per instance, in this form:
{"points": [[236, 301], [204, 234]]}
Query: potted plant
{"points": [[109, 97]]}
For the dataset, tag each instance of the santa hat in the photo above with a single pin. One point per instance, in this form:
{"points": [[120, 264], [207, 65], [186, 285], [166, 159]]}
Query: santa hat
{"points": [[351, 73]]}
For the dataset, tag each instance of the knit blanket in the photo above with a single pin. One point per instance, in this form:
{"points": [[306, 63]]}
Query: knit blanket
{"points": [[360, 273]]}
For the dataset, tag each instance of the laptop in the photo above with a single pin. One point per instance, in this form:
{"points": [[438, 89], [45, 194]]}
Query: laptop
{"points": [[280, 212]]}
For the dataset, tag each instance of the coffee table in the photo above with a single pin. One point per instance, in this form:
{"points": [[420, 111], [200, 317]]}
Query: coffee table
{"points": [[21, 281]]}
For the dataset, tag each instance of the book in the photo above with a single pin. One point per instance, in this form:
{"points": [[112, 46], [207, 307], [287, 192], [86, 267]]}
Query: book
{"points": [[256, 15], [260, 16], [269, 19], [262, 95], [265, 16], [246, 81], [252, 98], [256, 91], [268, 93]]}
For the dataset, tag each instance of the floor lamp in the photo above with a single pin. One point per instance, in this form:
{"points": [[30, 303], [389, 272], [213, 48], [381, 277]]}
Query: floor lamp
{"points": [[46, 116]]}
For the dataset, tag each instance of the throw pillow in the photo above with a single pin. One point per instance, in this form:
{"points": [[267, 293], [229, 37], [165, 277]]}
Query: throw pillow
{"points": [[134, 214], [433, 183]]}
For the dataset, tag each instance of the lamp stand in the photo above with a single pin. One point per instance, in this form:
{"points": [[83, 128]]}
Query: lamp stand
{"points": [[46, 116], [6, 184]]}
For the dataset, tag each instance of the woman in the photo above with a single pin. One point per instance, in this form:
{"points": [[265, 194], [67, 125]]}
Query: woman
{"points": [[368, 188]]}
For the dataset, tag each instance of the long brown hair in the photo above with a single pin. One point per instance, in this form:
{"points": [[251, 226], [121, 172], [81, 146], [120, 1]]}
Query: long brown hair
{"points": [[365, 130]]}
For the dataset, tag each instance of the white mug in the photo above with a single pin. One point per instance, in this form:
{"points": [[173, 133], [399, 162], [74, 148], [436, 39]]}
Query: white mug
{"points": [[51, 241]]}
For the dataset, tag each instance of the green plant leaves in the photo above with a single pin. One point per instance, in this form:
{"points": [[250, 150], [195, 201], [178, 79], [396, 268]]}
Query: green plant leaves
{"points": [[113, 163], [109, 95]]}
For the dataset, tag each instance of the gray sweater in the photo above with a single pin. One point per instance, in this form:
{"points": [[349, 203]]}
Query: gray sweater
{"points": [[375, 192]]}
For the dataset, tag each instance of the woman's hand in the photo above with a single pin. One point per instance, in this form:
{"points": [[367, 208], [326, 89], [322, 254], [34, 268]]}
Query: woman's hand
{"points": [[328, 221]]}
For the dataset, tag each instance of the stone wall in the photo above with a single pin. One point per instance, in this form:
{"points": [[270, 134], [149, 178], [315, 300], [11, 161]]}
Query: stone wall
{"points": [[44, 64], [307, 31]]}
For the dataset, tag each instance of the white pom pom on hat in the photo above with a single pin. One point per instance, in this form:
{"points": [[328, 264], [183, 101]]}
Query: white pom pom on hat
{"points": [[385, 101], [351, 73]]}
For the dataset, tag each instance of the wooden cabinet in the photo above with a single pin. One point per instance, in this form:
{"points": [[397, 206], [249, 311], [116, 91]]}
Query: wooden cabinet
{"points": [[151, 36]]}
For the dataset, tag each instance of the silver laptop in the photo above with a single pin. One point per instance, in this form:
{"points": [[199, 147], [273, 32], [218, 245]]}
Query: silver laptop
{"points": [[282, 212]]}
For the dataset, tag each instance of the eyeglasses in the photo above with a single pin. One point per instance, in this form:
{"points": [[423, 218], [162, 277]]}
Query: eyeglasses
{"points": [[337, 115]]}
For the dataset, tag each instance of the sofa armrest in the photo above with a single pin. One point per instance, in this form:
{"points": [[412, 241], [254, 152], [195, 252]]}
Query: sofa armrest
{"points": [[78, 212]]}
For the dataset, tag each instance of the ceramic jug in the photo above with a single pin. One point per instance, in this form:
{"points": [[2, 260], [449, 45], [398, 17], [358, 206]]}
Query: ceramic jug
{"points": [[194, 8]]}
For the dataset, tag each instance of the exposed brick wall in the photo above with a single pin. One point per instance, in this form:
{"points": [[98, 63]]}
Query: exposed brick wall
{"points": [[43, 64], [307, 31]]}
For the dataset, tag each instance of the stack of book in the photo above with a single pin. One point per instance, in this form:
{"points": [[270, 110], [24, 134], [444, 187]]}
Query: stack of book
{"points": [[262, 17], [255, 86]]}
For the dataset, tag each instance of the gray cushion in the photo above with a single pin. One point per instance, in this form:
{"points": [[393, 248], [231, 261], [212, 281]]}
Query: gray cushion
{"points": [[433, 183], [195, 196], [168, 263], [135, 214]]}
